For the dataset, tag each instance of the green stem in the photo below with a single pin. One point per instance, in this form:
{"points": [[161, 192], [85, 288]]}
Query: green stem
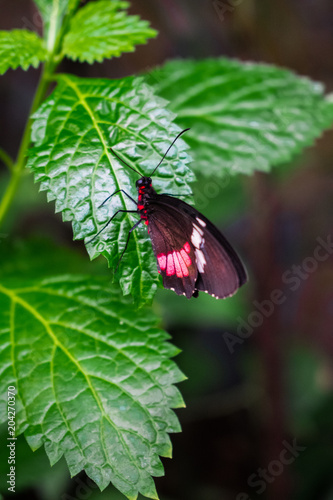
{"points": [[17, 169], [54, 44], [6, 159]]}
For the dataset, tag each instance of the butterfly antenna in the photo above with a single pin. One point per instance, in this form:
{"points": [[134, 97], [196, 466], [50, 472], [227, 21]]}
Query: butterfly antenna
{"points": [[167, 151], [124, 162]]}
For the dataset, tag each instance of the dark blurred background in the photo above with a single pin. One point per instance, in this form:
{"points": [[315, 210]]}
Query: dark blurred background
{"points": [[259, 416]]}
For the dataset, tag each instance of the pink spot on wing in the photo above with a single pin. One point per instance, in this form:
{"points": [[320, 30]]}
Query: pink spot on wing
{"points": [[186, 258], [170, 270], [187, 247], [146, 222], [162, 260], [182, 264], [140, 207], [177, 264]]}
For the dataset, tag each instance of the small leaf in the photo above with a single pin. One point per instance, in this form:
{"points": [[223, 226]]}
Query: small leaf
{"points": [[243, 116], [93, 377], [53, 13], [103, 29], [73, 131], [20, 48]]}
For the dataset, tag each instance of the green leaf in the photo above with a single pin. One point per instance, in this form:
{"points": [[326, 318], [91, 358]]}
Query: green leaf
{"points": [[93, 376], [53, 13], [20, 48], [103, 29], [73, 132], [243, 116]]}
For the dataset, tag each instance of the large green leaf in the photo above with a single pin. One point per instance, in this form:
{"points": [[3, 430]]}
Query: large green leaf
{"points": [[93, 377], [20, 48], [243, 116], [73, 132], [103, 29]]}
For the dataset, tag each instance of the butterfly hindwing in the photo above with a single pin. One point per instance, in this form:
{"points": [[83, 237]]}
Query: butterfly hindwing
{"points": [[212, 264], [172, 248]]}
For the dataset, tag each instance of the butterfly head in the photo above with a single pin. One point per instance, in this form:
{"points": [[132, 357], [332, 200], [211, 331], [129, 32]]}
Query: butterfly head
{"points": [[143, 182]]}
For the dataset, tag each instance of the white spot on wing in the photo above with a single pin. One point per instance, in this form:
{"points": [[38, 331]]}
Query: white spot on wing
{"points": [[201, 222], [200, 260], [200, 231], [196, 237]]}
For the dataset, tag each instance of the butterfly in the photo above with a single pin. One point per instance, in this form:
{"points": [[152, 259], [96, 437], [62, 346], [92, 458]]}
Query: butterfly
{"points": [[192, 255]]}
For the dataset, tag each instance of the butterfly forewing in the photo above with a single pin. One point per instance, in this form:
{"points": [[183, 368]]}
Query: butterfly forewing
{"points": [[218, 275]]}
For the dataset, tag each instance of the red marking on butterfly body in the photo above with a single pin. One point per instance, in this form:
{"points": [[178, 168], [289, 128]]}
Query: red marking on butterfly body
{"points": [[141, 207]]}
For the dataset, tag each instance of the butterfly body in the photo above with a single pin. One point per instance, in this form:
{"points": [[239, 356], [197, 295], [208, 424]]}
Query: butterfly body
{"points": [[191, 253], [145, 192]]}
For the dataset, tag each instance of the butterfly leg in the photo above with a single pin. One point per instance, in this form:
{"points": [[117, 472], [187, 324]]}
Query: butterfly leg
{"points": [[108, 222], [128, 237], [118, 191]]}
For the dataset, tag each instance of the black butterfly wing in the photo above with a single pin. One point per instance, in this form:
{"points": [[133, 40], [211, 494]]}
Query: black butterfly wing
{"points": [[170, 237], [218, 270]]}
